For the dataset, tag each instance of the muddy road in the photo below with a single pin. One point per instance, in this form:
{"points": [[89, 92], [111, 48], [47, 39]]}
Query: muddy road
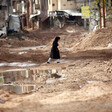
{"points": [[81, 82]]}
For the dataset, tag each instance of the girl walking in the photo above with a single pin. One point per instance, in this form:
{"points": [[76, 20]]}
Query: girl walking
{"points": [[55, 54]]}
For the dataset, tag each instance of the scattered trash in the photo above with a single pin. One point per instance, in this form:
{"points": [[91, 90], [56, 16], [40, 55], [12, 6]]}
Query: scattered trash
{"points": [[67, 48], [54, 75], [20, 53], [91, 81], [1, 101], [109, 45], [80, 86], [50, 81], [95, 28], [70, 31], [61, 79], [64, 56]]}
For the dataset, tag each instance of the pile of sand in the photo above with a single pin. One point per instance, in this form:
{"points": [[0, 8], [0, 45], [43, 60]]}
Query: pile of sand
{"points": [[37, 102], [6, 95], [70, 37], [20, 103], [82, 40], [99, 38], [89, 92], [94, 90]]}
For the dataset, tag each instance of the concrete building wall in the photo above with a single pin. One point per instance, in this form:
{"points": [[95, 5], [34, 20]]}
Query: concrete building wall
{"points": [[79, 4], [50, 8], [64, 5], [61, 5], [55, 4]]}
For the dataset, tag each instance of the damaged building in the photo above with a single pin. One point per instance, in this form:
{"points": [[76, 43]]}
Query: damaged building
{"points": [[4, 17], [61, 11], [27, 11], [17, 15]]}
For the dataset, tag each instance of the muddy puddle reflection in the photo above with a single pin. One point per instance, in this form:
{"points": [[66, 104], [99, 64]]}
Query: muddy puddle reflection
{"points": [[27, 80]]}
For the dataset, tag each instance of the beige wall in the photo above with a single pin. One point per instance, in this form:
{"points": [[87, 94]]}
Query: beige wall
{"points": [[50, 5], [61, 5], [64, 5], [56, 4], [87, 4]]}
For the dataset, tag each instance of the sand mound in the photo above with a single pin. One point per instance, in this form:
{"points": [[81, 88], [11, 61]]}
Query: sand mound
{"points": [[99, 38], [6, 95], [95, 89], [29, 106], [66, 41], [89, 92]]}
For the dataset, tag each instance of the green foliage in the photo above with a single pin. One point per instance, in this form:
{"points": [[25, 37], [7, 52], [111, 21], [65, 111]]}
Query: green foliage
{"points": [[95, 2], [110, 18], [1, 78]]}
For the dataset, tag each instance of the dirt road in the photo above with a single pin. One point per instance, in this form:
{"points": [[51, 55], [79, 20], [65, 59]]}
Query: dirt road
{"points": [[85, 82]]}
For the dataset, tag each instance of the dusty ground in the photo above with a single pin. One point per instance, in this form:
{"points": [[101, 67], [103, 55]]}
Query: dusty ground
{"points": [[87, 61]]}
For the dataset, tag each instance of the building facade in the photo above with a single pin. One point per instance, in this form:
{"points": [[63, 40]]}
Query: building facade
{"points": [[4, 10]]}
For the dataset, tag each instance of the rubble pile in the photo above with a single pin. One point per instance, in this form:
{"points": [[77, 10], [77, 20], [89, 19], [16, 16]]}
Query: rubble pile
{"points": [[109, 67], [99, 38], [89, 92], [99, 88]]}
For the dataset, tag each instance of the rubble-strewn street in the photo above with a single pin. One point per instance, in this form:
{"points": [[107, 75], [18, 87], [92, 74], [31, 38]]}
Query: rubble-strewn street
{"points": [[81, 82]]}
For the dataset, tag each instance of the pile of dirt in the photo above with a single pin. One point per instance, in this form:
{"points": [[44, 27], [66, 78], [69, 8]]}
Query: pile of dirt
{"points": [[43, 37], [70, 37], [20, 103], [89, 92], [6, 95], [13, 43], [35, 56], [109, 67], [92, 95], [99, 38], [95, 89]]}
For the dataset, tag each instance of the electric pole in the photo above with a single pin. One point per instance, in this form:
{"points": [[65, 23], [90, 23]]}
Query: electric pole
{"points": [[99, 5], [104, 14]]}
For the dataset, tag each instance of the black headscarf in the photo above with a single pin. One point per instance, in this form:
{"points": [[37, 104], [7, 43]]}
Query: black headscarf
{"points": [[54, 51], [55, 42], [56, 39]]}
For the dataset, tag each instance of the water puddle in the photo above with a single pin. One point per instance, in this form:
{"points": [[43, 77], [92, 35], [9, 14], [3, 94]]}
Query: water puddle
{"points": [[18, 64], [25, 80], [51, 80], [30, 48], [91, 82], [20, 53], [19, 89]]}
